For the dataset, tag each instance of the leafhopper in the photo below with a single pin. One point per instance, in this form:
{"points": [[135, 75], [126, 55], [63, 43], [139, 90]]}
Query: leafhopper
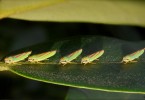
{"points": [[131, 57], [70, 57], [90, 58], [17, 58], [41, 56]]}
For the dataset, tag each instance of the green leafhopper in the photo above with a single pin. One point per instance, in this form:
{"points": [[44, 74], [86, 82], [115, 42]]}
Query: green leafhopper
{"points": [[90, 58], [17, 58], [41, 56], [132, 56], [70, 57]]}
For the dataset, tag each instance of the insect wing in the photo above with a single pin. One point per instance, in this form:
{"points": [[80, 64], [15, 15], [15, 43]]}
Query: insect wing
{"points": [[52, 53], [19, 57], [133, 56], [74, 55], [43, 56], [137, 54], [22, 56], [95, 55]]}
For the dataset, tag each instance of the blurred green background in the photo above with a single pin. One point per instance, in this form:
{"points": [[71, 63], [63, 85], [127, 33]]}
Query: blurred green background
{"points": [[17, 34]]}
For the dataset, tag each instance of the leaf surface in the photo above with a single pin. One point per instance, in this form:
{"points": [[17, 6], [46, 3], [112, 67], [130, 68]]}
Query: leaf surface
{"points": [[128, 12], [107, 74]]}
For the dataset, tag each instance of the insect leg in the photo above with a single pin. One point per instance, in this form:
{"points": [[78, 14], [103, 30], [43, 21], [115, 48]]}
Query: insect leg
{"points": [[64, 64], [134, 61], [72, 62], [92, 63], [85, 64]]}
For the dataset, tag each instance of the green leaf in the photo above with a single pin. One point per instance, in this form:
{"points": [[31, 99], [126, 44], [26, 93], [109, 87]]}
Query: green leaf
{"points": [[84, 94], [108, 74], [12, 7], [128, 12]]}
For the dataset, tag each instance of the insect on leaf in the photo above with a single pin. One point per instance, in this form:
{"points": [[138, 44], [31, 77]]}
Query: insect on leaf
{"points": [[41, 56], [92, 57], [74, 55], [133, 56], [18, 57], [70, 57]]}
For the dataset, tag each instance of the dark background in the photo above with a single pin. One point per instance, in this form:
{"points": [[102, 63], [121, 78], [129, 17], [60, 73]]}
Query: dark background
{"points": [[17, 34]]}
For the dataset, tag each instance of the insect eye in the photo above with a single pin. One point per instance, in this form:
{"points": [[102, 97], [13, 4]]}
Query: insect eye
{"points": [[85, 60], [9, 60], [126, 59], [64, 61], [30, 59]]}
